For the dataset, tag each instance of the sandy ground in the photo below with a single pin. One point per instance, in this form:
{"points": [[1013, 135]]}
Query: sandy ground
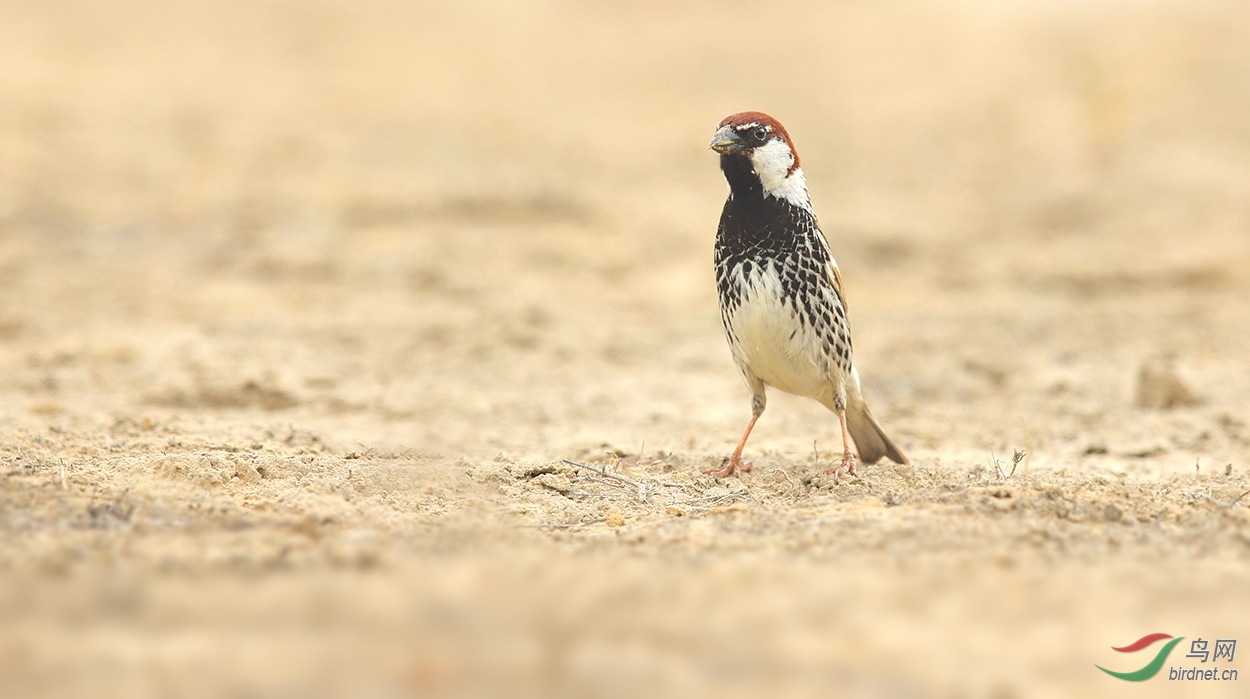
{"points": [[304, 303]]}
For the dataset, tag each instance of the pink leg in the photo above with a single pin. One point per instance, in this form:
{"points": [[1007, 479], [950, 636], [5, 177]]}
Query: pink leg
{"points": [[734, 465], [848, 459]]}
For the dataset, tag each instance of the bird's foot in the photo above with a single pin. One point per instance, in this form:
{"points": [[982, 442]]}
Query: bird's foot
{"points": [[731, 466], [847, 466]]}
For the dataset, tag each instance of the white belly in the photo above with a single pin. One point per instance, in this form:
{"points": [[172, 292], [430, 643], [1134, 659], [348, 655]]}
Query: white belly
{"points": [[769, 342]]}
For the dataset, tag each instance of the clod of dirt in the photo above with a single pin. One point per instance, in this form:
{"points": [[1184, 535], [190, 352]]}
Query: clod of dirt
{"points": [[613, 517], [1159, 387], [555, 481], [246, 472]]}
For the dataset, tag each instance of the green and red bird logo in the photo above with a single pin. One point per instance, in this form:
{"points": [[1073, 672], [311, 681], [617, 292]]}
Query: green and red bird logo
{"points": [[1150, 668]]}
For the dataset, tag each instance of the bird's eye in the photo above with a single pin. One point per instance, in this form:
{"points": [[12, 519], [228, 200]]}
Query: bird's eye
{"points": [[760, 133]]}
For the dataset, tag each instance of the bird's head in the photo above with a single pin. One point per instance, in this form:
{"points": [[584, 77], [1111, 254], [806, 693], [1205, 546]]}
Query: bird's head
{"points": [[757, 155]]}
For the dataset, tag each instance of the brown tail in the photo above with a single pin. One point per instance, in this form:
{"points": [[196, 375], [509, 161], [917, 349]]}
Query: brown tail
{"points": [[870, 439]]}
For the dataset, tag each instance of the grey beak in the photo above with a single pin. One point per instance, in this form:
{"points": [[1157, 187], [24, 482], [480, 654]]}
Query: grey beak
{"points": [[725, 141]]}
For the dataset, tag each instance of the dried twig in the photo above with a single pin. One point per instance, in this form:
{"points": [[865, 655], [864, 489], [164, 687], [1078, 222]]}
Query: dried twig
{"points": [[603, 471], [1016, 458], [561, 525], [1239, 497], [706, 504], [784, 474], [666, 484], [708, 501]]}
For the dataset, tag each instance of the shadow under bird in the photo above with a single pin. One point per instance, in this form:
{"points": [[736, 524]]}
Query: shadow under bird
{"points": [[781, 295]]}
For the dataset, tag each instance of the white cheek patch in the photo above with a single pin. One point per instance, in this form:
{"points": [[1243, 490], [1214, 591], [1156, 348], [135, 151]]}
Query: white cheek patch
{"points": [[772, 162]]}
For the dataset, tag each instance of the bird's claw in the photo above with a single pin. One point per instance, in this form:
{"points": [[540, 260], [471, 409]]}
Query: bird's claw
{"points": [[730, 466], [847, 466]]}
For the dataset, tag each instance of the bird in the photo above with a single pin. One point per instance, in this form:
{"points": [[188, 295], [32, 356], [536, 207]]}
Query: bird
{"points": [[782, 301]]}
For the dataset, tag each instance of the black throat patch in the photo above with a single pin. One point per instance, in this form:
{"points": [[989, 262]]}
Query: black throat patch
{"points": [[744, 183]]}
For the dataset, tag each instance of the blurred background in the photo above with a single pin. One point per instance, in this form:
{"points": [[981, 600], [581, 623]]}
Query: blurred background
{"points": [[301, 302]]}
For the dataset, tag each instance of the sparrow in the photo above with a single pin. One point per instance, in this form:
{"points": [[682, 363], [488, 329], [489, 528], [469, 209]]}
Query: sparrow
{"points": [[781, 296]]}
